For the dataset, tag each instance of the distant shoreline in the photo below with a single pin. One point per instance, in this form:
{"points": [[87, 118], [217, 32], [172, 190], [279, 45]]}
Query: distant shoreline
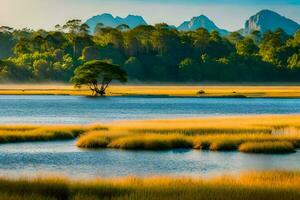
{"points": [[201, 91]]}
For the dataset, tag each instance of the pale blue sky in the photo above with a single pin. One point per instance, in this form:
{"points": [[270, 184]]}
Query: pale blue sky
{"points": [[228, 14]]}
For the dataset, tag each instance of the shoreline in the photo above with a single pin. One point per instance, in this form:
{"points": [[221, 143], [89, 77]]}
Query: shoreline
{"points": [[167, 91]]}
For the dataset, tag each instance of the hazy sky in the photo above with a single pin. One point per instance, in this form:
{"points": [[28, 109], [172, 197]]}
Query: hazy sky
{"points": [[228, 14]]}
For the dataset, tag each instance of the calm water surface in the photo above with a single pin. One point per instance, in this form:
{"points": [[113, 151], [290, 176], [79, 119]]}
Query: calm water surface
{"points": [[66, 159], [82, 110]]}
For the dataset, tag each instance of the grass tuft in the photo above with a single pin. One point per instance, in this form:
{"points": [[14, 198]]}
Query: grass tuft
{"points": [[267, 147], [31, 133], [224, 145], [151, 142]]}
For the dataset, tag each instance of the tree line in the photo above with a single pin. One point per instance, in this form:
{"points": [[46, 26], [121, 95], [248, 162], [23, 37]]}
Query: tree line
{"points": [[149, 53]]}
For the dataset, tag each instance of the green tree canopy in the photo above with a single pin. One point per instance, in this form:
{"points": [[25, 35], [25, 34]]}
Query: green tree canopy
{"points": [[246, 47], [97, 75]]}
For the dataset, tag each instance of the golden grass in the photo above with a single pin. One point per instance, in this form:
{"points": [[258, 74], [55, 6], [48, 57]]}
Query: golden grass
{"points": [[150, 142], [210, 125], [156, 90], [259, 123], [24, 133], [267, 147], [275, 185], [215, 142], [216, 134]]}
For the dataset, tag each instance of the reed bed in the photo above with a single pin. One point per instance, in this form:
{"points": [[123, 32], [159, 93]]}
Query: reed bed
{"points": [[276, 185], [215, 142], [213, 125], [215, 134], [267, 147], [218, 133], [25, 133]]}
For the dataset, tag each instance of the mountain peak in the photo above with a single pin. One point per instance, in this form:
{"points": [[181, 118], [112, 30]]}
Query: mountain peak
{"points": [[266, 20], [109, 20], [201, 21], [267, 11], [106, 15], [133, 16], [202, 17]]}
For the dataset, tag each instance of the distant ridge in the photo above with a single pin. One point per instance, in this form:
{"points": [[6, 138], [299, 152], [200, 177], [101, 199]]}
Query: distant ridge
{"points": [[201, 22], [108, 20], [266, 20]]}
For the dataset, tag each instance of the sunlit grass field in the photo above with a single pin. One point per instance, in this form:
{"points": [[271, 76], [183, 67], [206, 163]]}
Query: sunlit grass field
{"points": [[275, 185], [167, 90]]}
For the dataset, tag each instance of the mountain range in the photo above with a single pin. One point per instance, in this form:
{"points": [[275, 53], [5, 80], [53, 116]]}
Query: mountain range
{"points": [[108, 20], [262, 21]]}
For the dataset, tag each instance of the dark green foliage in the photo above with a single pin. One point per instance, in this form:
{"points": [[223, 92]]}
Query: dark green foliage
{"points": [[7, 42], [12, 72], [134, 67], [149, 53]]}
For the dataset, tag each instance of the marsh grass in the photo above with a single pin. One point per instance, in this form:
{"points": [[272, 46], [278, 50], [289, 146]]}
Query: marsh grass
{"points": [[219, 133], [224, 145], [267, 147], [25, 133], [276, 185], [216, 134], [204, 131], [215, 142], [151, 142], [214, 125]]}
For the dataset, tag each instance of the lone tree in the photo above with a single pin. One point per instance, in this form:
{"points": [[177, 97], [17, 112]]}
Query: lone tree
{"points": [[98, 75]]}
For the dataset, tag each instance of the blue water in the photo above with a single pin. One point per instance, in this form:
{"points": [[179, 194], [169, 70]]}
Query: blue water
{"points": [[83, 110], [64, 158]]}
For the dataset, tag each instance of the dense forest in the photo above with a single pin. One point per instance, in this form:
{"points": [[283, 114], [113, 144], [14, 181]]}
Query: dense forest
{"points": [[149, 53]]}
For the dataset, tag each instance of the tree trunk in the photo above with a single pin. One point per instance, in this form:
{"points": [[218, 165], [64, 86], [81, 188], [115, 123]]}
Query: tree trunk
{"points": [[99, 92], [102, 91]]}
